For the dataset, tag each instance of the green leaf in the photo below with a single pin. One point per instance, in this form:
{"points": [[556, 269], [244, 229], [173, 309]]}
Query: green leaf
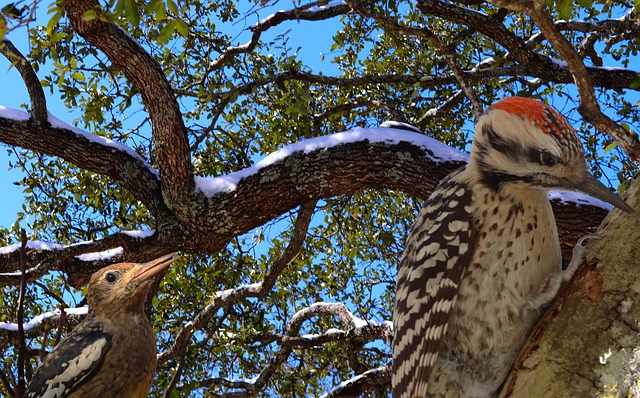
{"points": [[610, 146], [131, 12], [89, 15], [585, 3], [182, 28], [57, 13], [564, 9], [167, 31], [78, 76], [3, 27], [173, 7], [13, 12]]}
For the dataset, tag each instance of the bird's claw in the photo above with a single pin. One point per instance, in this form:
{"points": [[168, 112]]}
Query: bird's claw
{"points": [[580, 251]]}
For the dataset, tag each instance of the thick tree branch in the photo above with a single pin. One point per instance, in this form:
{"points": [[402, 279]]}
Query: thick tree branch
{"points": [[90, 152], [276, 189], [146, 76]]}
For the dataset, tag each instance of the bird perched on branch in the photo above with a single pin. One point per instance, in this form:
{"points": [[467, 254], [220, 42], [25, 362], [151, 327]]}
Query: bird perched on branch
{"points": [[112, 352], [483, 257]]}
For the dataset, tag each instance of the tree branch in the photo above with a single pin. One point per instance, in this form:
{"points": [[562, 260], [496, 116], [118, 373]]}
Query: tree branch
{"points": [[272, 190], [20, 385], [91, 152], [146, 76], [356, 330], [358, 385], [297, 14], [36, 94]]}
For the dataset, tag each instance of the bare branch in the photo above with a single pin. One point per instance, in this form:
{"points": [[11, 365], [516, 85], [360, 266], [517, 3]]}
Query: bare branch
{"points": [[36, 94], [299, 14], [494, 29], [293, 248], [356, 330]]}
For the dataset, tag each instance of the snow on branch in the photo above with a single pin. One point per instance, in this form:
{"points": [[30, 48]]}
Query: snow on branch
{"points": [[53, 256], [436, 151], [358, 384], [33, 327]]}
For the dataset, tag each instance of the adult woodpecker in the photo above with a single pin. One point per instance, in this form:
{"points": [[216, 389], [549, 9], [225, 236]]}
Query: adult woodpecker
{"points": [[483, 256], [112, 352]]}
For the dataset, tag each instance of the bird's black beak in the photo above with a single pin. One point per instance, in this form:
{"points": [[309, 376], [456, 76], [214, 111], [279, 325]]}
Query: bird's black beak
{"points": [[589, 185], [150, 269]]}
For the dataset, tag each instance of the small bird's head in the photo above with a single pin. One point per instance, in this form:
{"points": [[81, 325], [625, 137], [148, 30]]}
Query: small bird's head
{"points": [[124, 286], [526, 143]]}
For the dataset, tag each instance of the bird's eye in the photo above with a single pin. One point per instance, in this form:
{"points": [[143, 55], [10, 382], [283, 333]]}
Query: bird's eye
{"points": [[111, 277], [547, 159]]}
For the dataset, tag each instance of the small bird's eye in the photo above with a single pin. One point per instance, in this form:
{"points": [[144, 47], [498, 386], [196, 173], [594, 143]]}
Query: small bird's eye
{"points": [[110, 277], [547, 159]]}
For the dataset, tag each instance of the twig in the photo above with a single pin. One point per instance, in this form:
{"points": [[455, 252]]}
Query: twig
{"points": [[444, 50], [20, 386]]}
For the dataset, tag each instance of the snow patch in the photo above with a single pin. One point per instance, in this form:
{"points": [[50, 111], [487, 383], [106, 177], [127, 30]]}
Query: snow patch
{"points": [[139, 234], [103, 255], [578, 198], [353, 380], [57, 123], [35, 321], [15, 114], [31, 244]]}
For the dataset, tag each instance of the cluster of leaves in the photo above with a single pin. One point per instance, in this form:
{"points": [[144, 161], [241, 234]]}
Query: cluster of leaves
{"points": [[238, 109]]}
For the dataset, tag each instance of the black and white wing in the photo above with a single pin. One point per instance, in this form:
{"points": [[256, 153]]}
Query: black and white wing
{"points": [[69, 364], [436, 256]]}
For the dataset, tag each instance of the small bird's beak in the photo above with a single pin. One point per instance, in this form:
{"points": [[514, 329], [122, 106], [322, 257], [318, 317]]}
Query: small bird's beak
{"points": [[150, 269], [592, 187]]}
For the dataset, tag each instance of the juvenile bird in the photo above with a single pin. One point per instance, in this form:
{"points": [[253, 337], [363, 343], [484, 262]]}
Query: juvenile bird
{"points": [[112, 352], [483, 257]]}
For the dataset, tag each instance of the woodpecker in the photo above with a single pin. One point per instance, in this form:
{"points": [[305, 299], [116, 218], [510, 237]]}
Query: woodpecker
{"points": [[483, 257], [112, 352]]}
